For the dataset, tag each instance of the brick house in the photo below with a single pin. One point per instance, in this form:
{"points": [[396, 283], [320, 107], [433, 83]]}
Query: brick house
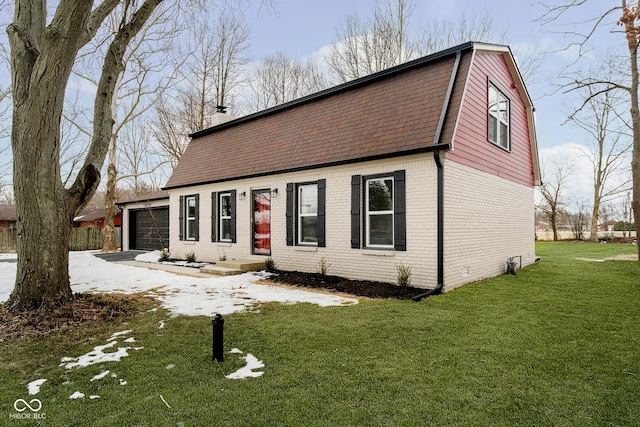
{"points": [[431, 164]]}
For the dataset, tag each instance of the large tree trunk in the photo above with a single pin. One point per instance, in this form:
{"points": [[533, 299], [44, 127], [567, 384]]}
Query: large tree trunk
{"points": [[41, 61]]}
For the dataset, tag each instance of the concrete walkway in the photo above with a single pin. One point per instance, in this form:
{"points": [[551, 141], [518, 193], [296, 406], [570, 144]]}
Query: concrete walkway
{"points": [[176, 269]]}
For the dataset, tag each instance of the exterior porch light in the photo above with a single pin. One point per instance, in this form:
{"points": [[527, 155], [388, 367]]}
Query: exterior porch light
{"points": [[274, 193], [242, 195]]}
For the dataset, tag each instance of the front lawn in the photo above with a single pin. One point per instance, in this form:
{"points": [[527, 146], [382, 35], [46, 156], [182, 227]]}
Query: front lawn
{"points": [[557, 344]]}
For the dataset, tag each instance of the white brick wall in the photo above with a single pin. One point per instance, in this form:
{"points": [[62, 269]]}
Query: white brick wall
{"points": [[344, 261], [487, 220]]}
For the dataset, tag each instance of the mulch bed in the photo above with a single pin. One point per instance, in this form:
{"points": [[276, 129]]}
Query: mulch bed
{"points": [[340, 284], [84, 309]]}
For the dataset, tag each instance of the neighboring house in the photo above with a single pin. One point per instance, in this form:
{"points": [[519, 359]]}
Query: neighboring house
{"points": [[431, 164], [145, 222], [7, 217], [94, 218]]}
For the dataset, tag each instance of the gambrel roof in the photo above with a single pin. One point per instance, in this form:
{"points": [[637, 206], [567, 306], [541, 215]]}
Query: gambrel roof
{"points": [[407, 109]]}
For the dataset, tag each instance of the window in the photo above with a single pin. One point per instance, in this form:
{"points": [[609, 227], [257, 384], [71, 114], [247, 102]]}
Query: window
{"points": [[189, 217], [379, 212], [306, 213], [223, 216], [499, 132], [378, 206]]}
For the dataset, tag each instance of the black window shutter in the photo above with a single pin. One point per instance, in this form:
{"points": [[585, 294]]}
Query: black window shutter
{"points": [[355, 211], [197, 222], [322, 201], [214, 207], [289, 220], [181, 218], [233, 215], [399, 211]]}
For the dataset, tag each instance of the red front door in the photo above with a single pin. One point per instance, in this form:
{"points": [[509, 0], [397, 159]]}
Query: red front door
{"points": [[262, 222]]}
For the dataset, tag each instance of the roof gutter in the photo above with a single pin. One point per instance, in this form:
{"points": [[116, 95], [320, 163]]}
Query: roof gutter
{"points": [[440, 177]]}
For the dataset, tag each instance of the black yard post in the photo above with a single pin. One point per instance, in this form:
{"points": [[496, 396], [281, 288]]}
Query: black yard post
{"points": [[218, 342]]}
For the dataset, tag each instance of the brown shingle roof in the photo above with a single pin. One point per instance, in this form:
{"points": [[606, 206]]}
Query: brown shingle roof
{"points": [[389, 113], [8, 213]]}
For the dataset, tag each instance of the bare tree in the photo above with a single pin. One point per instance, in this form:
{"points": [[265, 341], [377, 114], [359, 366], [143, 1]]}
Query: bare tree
{"points": [[365, 47], [624, 15], [43, 53], [553, 186], [609, 144], [579, 218], [279, 79], [211, 70]]}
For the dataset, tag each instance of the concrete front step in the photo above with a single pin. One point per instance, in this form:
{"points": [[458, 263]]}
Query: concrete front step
{"points": [[220, 271], [236, 266], [247, 264]]}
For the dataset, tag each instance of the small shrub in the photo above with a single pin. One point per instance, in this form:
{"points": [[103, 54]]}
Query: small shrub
{"points": [[191, 256], [403, 275], [165, 255], [323, 266], [270, 265]]}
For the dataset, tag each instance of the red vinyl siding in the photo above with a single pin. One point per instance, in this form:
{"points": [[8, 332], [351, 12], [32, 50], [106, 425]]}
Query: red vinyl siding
{"points": [[471, 144]]}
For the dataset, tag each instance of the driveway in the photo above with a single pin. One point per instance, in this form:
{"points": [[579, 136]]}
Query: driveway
{"points": [[118, 256]]}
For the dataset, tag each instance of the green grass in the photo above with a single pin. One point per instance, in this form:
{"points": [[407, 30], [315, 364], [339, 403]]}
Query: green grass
{"points": [[557, 344]]}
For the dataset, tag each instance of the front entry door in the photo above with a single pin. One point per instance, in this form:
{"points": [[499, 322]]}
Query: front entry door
{"points": [[261, 222]]}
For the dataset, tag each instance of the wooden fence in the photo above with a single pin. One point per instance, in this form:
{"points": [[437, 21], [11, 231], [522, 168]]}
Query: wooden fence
{"points": [[82, 239]]}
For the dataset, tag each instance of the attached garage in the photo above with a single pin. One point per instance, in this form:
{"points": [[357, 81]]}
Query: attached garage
{"points": [[145, 222], [149, 228]]}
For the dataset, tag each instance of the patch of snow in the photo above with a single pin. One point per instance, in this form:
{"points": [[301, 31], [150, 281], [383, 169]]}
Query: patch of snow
{"points": [[181, 294], [100, 376], [235, 350], [94, 396], [247, 371], [153, 256], [34, 386], [97, 355], [118, 334], [132, 339], [161, 324], [122, 382], [171, 366], [77, 395]]}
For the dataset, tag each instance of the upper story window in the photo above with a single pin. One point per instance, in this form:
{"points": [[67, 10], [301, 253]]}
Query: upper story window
{"points": [[499, 124]]}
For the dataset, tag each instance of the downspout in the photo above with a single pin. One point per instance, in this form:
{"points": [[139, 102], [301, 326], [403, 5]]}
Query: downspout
{"points": [[440, 183]]}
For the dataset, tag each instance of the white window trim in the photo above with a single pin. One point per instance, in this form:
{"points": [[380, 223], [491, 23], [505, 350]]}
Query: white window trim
{"points": [[190, 220], [368, 214], [301, 215], [501, 98], [223, 217]]}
